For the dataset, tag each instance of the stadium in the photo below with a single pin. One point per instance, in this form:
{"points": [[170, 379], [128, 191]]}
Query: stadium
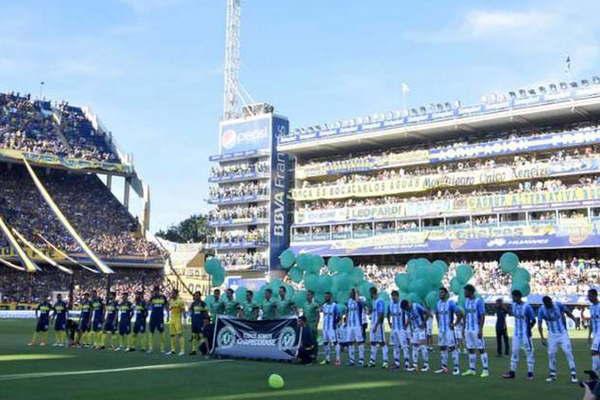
{"points": [[442, 250]]}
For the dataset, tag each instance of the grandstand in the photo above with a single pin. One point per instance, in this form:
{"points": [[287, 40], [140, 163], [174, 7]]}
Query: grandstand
{"points": [[518, 172], [56, 154]]}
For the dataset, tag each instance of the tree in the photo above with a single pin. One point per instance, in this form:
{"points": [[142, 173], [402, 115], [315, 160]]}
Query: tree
{"points": [[191, 230]]}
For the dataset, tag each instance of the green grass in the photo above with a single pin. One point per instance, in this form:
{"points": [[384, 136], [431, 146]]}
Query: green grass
{"points": [[56, 373]]}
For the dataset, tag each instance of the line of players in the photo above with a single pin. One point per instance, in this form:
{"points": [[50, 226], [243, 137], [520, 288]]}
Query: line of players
{"points": [[409, 323]]}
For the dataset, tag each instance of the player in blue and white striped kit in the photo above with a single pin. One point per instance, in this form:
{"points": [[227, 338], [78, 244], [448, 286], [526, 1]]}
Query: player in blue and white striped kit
{"points": [[445, 312], [553, 313], [331, 317], [417, 318], [594, 330], [399, 338], [354, 334], [474, 320], [377, 336], [524, 321]]}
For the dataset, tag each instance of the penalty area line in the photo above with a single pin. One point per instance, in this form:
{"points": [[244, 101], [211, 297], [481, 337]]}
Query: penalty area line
{"points": [[306, 391], [32, 375]]}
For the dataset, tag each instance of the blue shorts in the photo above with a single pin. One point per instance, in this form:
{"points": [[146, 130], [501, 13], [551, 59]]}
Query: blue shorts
{"points": [[197, 328], [97, 325], [60, 324], [157, 325], [42, 325], [84, 325], [124, 329], [139, 328], [109, 326]]}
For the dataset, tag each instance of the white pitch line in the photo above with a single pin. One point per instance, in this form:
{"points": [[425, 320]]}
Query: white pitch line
{"points": [[13, 377]]}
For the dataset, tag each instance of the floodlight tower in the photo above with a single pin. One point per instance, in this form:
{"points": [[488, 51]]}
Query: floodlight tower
{"points": [[232, 60]]}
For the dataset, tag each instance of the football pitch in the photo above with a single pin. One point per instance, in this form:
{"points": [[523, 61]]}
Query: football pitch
{"points": [[56, 373]]}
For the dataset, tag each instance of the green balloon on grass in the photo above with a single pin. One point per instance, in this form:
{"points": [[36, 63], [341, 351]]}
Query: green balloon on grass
{"points": [[521, 274], [402, 281], [276, 382], [296, 274], [287, 259], [464, 272], [509, 262]]}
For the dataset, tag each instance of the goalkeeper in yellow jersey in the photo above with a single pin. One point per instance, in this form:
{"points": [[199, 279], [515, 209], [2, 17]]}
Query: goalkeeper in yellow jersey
{"points": [[177, 310]]}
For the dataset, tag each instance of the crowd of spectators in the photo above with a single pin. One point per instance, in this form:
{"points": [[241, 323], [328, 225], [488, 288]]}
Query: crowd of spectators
{"points": [[244, 261], [99, 218], [233, 214], [16, 286], [556, 277], [242, 189], [240, 168], [238, 237], [37, 127]]}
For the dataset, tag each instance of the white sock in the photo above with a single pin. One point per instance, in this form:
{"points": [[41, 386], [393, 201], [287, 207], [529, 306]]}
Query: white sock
{"points": [[384, 350], [361, 352], [472, 361], [484, 361]]}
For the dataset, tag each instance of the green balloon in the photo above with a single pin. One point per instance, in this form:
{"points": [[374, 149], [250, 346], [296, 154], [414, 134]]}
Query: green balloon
{"points": [[259, 295], [431, 299], [212, 265], [402, 281], [209, 300], [240, 294], [509, 262], [218, 279], [441, 264], [341, 308], [455, 286], [415, 298], [464, 272], [357, 275], [346, 265], [342, 296], [303, 261], [334, 263], [287, 259], [296, 274], [311, 282], [364, 287], [316, 263], [419, 286], [521, 274], [411, 268], [522, 286], [325, 283], [299, 298]]}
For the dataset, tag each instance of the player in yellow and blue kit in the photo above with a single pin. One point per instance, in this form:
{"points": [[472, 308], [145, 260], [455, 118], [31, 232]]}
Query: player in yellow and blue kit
{"points": [[140, 310], [125, 314], [59, 315], [198, 314], [42, 313], [176, 311], [84, 321], [97, 320], [110, 320], [158, 306]]}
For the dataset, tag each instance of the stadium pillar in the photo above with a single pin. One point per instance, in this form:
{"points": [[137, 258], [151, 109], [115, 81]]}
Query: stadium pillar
{"points": [[126, 192], [109, 181]]}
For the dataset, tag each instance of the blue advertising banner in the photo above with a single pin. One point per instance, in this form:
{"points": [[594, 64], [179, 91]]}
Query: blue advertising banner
{"points": [[281, 167], [249, 135]]}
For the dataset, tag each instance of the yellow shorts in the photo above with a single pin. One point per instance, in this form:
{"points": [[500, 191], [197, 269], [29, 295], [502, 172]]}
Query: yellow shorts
{"points": [[175, 328]]}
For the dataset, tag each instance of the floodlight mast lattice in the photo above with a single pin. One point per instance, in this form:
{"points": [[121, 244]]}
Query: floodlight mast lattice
{"points": [[232, 61]]}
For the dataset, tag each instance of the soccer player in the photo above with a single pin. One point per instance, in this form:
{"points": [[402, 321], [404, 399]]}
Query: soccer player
{"points": [[97, 320], [445, 313], [140, 311], [474, 321], [459, 330], [84, 321], [269, 306], [354, 311], [377, 336], [230, 304], [177, 310], [158, 306], [594, 328], [216, 307], [285, 306], [42, 313], [310, 310], [331, 317], [417, 318], [524, 321], [59, 315], [553, 313], [110, 320], [199, 314], [249, 309], [399, 336], [125, 314]]}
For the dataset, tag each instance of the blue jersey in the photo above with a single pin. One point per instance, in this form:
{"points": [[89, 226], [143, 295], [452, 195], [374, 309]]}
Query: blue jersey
{"points": [[98, 310], [86, 309], [330, 316], [445, 311], [377, 311], [553, 317], [397, 316], [524, 318], [418, 316], [354, 313], [595, 318], [474, 310], [43, 310], [141, 312], [111, 312], [157, 307], [125, 313], [60, 311]]}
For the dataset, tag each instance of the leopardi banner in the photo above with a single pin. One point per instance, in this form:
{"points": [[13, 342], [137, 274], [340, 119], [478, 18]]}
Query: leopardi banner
{"points": [[276, 339]]}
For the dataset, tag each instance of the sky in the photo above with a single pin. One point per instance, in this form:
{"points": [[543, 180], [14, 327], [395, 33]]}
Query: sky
{"points": [[152, 69]]}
